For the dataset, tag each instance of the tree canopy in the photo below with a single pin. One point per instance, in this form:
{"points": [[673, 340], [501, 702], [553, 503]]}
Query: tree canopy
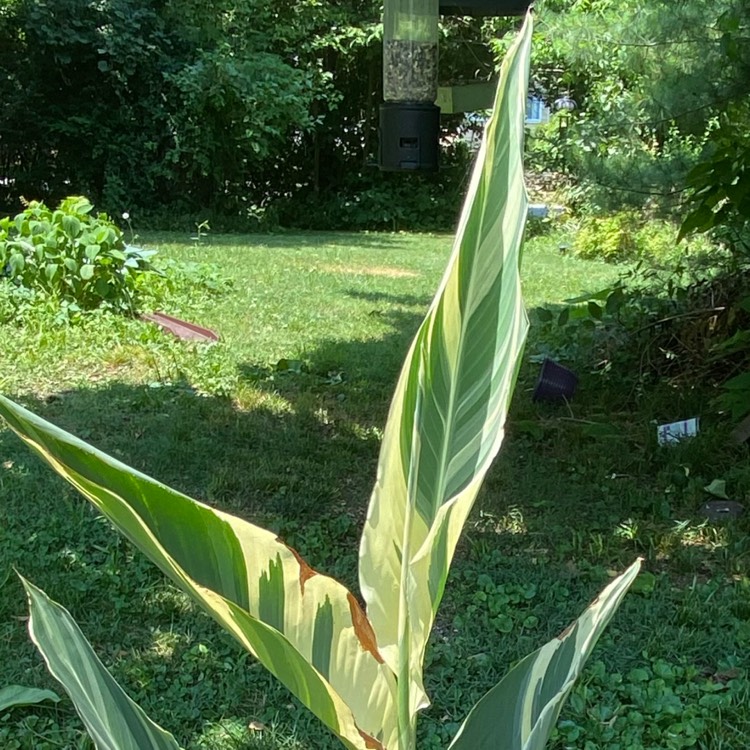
{"points": [[651, 80], [265, 111]]}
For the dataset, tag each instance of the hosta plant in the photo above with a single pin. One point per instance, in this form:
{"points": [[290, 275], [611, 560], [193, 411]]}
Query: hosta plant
{"points": [[359, 670]]}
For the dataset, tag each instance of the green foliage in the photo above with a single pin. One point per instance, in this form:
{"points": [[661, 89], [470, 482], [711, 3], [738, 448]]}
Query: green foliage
{"points": [[659, 704], [719, 195], [735, 392], [611, 238], [17, 302], [70, 255], [718, 204], [373, 200], [683, 317], [627, 236], [361, 674], [154, 104], [176, 279], [18, 695], [640, 137], [233, 111], [657, 243], [257, 110], [649, 80]]}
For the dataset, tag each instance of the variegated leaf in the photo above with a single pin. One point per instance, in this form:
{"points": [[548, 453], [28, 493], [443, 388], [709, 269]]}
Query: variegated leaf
{"points": [[304, 627], [520, 712], [112, 719], [446, 421]]}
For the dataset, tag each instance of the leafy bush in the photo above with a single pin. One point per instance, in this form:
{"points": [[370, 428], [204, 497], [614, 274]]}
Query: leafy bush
{"points": [[685, 323], [72, 255], [610, 238], [626, 235], [656, 241], [373, 200], [719, 187]]}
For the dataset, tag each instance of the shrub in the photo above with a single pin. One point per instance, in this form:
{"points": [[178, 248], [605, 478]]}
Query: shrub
{"points": [[72, 255], [611, 238], [627, 236], [375, 201]]}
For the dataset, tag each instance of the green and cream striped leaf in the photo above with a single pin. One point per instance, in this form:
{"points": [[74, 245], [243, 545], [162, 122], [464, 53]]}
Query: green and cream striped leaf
{"points": [[306, 628], [520, 712], [446, 420], [112, 719]]}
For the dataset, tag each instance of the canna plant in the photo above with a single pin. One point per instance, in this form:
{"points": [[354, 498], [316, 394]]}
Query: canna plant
{"points": [[359, 670]]}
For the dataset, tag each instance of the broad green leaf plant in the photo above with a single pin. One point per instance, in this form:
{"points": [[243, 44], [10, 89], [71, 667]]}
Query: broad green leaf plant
{"points": [[73, 255], [359, 670]]}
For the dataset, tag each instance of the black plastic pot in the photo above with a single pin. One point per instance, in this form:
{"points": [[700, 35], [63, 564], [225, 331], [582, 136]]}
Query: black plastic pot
{"points": [[556, 383]]}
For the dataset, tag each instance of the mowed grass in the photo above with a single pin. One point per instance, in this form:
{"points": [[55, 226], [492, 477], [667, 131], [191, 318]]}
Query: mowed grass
{"points": [[280, 422]]}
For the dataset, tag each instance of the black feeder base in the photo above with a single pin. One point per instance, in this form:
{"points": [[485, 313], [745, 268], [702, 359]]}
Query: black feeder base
{"points": [[409, 137]]}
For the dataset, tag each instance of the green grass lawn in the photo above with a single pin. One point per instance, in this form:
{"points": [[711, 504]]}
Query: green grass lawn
{"points": [[576, 494]]}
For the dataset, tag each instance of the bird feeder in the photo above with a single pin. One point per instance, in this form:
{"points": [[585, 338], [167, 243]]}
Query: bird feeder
{"points": [[409, 118]]}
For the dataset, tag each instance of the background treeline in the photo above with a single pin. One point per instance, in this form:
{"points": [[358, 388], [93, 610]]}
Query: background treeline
{"points": [[258, 113], [261, 111]]}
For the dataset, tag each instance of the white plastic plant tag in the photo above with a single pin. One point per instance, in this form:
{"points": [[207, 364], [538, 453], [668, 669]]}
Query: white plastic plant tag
{"points": [[671, 433]]}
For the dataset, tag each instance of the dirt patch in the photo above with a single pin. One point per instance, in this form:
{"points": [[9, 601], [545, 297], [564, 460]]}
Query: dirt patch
{"points": [[389, 271]]}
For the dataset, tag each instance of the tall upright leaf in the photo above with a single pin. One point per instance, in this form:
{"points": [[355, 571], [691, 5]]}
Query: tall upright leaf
{"points": [[306, 628], [446, 420]]}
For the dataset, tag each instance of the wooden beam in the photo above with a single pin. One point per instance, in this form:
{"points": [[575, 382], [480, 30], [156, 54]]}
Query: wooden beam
{"points": [[484, 7], [469, 97]]}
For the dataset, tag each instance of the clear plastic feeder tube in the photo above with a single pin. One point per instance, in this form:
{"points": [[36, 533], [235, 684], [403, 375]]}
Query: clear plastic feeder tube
{"points": [[410, 50]]}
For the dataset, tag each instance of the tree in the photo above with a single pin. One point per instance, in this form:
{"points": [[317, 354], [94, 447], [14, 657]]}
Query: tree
{"points": [[650, 80], [141, 103]]}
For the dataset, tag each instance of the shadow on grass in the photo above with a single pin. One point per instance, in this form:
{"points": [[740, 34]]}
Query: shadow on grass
{"points": [[410, 300], [289, 240], [579, 482]]}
